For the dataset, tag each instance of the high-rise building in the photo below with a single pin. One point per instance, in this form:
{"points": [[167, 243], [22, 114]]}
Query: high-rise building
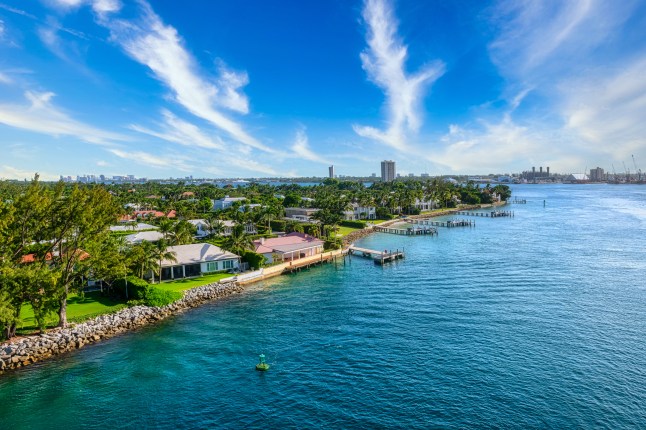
{"points": [[597, 174], [331, 171], [387, 170]]}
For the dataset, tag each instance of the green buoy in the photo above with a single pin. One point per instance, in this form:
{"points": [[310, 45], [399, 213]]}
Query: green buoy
{"points": [[262, 366]]}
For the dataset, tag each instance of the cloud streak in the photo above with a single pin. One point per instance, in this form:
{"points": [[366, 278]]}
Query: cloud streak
{"points": [[384, 62], [182, 132], [159, 47], [40, 115], [302, 149]]}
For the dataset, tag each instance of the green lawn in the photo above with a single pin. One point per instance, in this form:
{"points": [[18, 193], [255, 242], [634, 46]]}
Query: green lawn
{"points": [[91, 305], [187, 284], [344, 231]]}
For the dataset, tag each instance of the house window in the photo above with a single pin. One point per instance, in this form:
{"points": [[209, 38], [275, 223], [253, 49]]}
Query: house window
{"points": [[212, 266], [228, 264]]}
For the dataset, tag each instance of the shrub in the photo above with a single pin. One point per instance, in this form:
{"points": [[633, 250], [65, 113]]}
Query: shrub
{"points": [[353, 224], [331, 244], [158, 297], [136, 288], [277, 225], [255, 260]]}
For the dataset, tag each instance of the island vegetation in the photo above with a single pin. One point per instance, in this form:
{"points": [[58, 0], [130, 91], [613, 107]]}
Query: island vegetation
{"points": [[55, 238]]}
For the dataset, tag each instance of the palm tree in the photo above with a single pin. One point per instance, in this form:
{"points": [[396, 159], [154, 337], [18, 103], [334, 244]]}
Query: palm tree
{"points": [[182, 233], [166, 227], [161, 253], [142, 258], [238, 241]]}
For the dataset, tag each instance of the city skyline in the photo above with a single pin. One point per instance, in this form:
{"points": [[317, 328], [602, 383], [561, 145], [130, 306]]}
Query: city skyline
{"points": [[218, 90]]}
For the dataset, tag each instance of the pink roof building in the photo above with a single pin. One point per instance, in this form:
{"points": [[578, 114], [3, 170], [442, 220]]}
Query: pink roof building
{"points": [[289, 247]]}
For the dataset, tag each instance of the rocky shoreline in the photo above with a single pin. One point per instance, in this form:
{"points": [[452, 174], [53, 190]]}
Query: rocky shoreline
{"points": [[31, 349]]}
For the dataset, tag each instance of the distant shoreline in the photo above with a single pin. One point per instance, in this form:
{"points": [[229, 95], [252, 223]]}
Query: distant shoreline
{"points": [[25, 350]]}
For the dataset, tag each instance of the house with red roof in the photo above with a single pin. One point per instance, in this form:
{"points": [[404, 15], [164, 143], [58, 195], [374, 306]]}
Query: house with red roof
{"points": [[289, 247]]}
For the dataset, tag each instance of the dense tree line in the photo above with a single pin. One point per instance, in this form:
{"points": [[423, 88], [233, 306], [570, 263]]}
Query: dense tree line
{"points": [[55, 236]]}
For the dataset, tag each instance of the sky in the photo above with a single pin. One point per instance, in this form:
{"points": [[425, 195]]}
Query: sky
{"points": [[256, 88]]}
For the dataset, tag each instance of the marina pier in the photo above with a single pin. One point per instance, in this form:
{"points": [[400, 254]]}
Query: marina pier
{"points": [[379, 257]]}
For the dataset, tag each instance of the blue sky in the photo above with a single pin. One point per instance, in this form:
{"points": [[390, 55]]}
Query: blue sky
{"points": [[217, 88]]}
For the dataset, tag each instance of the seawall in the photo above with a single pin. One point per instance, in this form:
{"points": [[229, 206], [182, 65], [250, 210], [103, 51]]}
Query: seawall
{"points": [[26, 350]]}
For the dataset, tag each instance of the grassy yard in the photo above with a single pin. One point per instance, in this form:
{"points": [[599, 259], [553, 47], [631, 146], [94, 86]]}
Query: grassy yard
{"points": [[92, 304], [344, 231], [187, 284]]}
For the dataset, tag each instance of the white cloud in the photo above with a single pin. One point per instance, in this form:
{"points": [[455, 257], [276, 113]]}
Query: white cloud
{"points": [[608, 111], [99, 6], [182, 132], [302, 149], [159, 161], [160, 48], [41, 116], [384, 62], [102, 163], [10, 172], [4, 79], [250, 165], [496, 147]]}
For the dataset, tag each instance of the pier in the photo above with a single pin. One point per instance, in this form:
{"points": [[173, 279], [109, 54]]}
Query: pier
{"points": [[448, 224], [408, 231], [379, 257], [519, 201], [492, 214]]}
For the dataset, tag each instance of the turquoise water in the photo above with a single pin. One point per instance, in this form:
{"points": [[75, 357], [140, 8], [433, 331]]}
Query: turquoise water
{"points": [[538, 321]]}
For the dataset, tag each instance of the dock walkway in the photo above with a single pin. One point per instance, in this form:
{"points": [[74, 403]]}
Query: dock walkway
{"points": [[492, 214], [379, 257]]}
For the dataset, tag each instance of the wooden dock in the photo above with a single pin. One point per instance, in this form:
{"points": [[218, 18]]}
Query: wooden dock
{"points": [[379, 257], [492, 214], [409, 231], [448, 224]]}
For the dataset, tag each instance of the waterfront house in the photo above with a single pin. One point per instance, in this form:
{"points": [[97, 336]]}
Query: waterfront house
{"points": [[226, 202], [202, 228], [197, 259], [289, 247], [300, 214], [141, 226], [144, 236], [360, 212]]}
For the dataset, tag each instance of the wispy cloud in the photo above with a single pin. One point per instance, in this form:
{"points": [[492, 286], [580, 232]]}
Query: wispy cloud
{"points": [[159, 47], [182, 132], [4, 79], [384, 62], [40, 115], [10, 172], [302, 149], [608, 111], [158, 161], [99, 6], [16, 11]]}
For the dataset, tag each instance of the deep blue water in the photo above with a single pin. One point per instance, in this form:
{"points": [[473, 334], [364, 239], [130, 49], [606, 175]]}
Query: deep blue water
{"points": [[538, 321]]}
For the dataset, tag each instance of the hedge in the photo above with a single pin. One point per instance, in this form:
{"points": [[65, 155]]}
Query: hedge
{"points": [[141, 292], [278, 225], [255, 260], [353, 224]]}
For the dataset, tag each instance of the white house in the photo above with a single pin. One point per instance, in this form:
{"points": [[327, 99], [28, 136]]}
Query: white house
{"points": [[289, 247], [144, 236], [197, 259], [137, 227], [226, 202], [300, 214], [360, 212], [202, 227], [425, 204]]}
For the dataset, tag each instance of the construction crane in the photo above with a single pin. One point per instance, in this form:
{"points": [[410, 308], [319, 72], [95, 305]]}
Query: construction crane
{"points": [[626, 172], [639, 171], [614, 174]]}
